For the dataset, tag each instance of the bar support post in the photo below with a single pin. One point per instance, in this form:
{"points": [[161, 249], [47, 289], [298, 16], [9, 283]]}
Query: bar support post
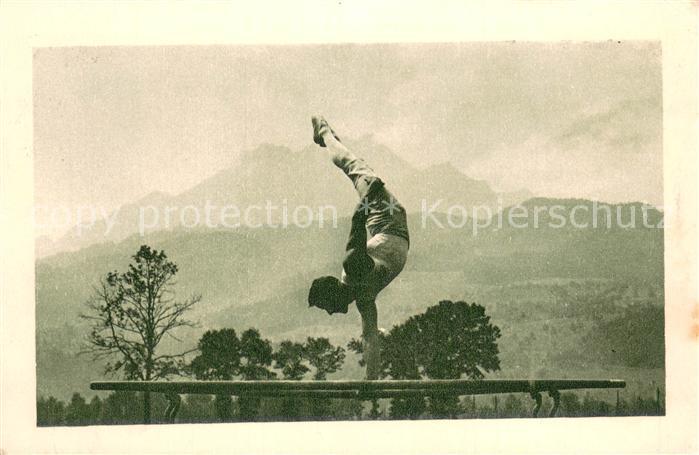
{"points": [[536, 395], [556, 395], [173, 406]]}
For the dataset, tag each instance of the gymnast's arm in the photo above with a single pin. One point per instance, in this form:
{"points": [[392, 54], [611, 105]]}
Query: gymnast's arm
{"points": [[370, 336]]}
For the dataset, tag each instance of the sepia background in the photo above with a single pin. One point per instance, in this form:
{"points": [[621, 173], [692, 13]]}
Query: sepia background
{"points": [[115, 124]]}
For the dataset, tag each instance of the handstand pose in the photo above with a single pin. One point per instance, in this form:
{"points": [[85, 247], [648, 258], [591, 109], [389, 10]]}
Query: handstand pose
{"points": [[369, 265]]}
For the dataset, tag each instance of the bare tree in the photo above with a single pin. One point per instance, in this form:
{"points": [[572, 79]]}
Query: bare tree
{"points": [[131, 313]]}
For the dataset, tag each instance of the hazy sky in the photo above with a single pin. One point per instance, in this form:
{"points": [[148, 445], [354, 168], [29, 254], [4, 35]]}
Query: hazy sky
{"points": [[113, 124]]}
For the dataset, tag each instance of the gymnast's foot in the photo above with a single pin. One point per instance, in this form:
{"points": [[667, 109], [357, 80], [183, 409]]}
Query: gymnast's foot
{"points": [[322, 132]]}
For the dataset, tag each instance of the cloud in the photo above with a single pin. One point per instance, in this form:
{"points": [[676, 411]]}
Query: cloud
{"points": [[115, 123], [614, 155], [633, 125]]}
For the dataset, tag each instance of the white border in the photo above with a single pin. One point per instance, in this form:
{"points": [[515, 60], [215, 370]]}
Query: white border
{"points": [[25, 25]]}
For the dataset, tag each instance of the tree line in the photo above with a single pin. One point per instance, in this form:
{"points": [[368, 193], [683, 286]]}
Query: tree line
{"points": [[131, 313], [118, 409]]}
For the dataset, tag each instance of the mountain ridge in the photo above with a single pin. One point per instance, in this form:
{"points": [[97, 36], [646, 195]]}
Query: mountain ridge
{"points": [[276, 173], [260, 277]]}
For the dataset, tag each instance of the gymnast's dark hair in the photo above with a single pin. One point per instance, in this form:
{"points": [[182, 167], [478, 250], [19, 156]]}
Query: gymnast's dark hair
{"points": [[329, 294]]}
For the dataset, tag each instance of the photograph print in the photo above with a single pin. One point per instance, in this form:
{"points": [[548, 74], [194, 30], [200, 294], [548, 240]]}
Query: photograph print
{"points": [[237, 233]]}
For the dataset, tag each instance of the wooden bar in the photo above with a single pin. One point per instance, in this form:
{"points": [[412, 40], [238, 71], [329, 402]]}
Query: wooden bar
{"points": [[375, 388], [360, 390]]}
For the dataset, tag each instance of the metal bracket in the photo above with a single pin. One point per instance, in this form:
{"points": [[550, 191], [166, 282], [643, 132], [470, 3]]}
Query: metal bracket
{"points": [[556, 395], [173, 406]]}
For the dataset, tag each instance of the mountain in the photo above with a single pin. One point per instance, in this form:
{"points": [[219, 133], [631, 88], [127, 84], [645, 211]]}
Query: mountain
{"points": [[259, 277], [283, 178]]}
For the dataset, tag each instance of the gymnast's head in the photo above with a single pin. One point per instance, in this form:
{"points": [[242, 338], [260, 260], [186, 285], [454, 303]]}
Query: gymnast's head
{"points": [[330, 294]]}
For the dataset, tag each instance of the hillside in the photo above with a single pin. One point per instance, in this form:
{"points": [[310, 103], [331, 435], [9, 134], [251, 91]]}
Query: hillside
{"points": [[284, 178], [259, 277]]}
